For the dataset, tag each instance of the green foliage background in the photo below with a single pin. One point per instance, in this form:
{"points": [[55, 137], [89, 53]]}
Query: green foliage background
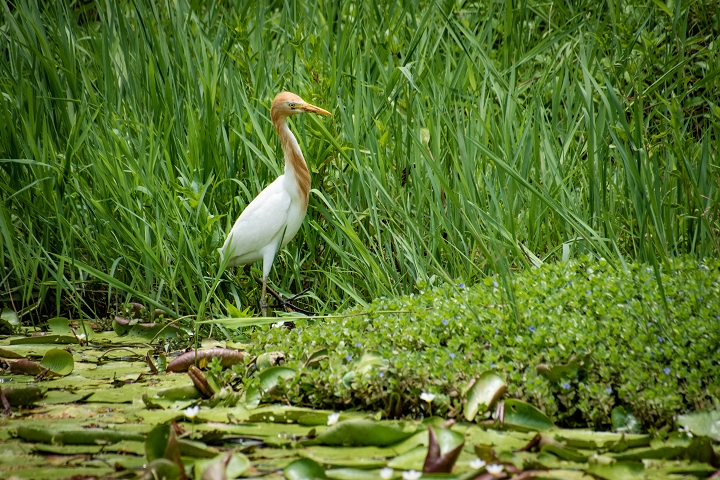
{"points": [[467, 138]]}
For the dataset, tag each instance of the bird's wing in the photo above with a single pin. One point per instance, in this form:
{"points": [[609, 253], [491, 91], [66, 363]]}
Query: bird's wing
{"points": [[258, 225]]}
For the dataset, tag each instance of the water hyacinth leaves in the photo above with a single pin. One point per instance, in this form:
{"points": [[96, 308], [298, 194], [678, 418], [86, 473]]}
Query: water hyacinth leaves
{"points": [[483, 393]]}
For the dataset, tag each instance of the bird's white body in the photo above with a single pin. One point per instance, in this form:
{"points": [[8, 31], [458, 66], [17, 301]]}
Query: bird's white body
{"points": [[274, 217], [271, 220]]}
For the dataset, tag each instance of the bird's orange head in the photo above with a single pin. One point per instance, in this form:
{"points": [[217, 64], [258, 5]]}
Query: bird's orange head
{"points": [[287, 104]]}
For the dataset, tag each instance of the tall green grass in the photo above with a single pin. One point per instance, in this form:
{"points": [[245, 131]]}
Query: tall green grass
{"points": [[467, 138]]}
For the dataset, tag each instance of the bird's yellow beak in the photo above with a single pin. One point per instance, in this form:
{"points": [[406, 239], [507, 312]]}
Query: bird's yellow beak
{"points": [[307, 108]]}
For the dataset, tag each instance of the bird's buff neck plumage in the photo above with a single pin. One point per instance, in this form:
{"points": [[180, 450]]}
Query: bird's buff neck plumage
{"points": [[295, 165]]}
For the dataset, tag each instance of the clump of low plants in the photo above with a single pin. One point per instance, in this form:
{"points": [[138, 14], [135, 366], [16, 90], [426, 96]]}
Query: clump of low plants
{"points": [[577, 340]]}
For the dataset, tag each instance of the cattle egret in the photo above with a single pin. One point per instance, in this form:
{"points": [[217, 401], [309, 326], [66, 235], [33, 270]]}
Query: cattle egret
{"points": [[274, 217]]}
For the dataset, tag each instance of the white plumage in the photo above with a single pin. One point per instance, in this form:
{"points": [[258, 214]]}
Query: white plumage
{"points": [[274, 217]]}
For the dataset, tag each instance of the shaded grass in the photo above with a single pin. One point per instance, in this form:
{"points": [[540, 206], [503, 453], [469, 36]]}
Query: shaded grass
{"points": [[466, 139]]}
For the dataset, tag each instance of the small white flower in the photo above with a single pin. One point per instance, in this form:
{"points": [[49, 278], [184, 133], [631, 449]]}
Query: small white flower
{"points": [[495, 469], [477, 464], [191, 412], [278, 324], [411, 475], [80, 336], [333, 419], [386, 473], [427, 397]]}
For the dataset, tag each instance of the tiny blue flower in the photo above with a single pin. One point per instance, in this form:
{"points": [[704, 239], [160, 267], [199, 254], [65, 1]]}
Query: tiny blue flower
{"points": [[498, 331], [445, 321], [649, 324], [588, 292], [452, 355], [358, 344], [700, 298], [495, 284], [660, 339], [457, 316], [565, 385], [662, 350], [608, 390], [381, 374], [348, 357], [649, 270], [531, 328], [461, 285], [666, 370], [492, 365], [668, 299]]}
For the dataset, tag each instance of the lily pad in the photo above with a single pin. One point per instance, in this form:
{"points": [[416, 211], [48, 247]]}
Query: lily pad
{"points": [[618, 471], [230, 465], [485, 391], [705, 423], [58, 361], [304, 469], [524, 417], [365, 432]]}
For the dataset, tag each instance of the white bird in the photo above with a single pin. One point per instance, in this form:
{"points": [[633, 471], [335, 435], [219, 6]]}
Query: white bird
{"points": [[274, 217]]}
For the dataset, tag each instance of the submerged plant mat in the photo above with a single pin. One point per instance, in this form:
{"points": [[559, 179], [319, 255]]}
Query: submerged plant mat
{"points": [[93, 422]]}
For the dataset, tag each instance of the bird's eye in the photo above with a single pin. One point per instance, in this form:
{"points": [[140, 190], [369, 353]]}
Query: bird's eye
{"points": [[291, 106]]}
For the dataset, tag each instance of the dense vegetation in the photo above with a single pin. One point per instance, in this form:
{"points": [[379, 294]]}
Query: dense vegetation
{"points": [[467, 139], [587, 340]]}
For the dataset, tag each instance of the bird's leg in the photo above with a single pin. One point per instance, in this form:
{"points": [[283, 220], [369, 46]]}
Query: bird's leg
{"points": [[263, 298], [286, 303]]}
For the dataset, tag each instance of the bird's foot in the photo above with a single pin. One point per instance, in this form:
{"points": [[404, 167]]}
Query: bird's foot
{"points": [[287, 304]]}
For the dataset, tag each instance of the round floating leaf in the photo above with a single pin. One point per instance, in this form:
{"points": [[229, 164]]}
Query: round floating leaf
{"points": [[525, 417], [365, 432], [162, 468], [58, 361], [270, 377], [269, 359], [618, 471], [624, 421], [9, 317], [485, 391], [22, 397], [705, 423], [304, 469]]}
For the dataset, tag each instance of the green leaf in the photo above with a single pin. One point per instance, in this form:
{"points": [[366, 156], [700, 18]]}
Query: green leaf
{"points": [[624, 421], [23, 397], [485, 391], [270, 377], [304, 469], [222, 466], [10, 317], [58, 361], [524, 417], [162, 468], [705, 423], [618, 471], [365, 432]]}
